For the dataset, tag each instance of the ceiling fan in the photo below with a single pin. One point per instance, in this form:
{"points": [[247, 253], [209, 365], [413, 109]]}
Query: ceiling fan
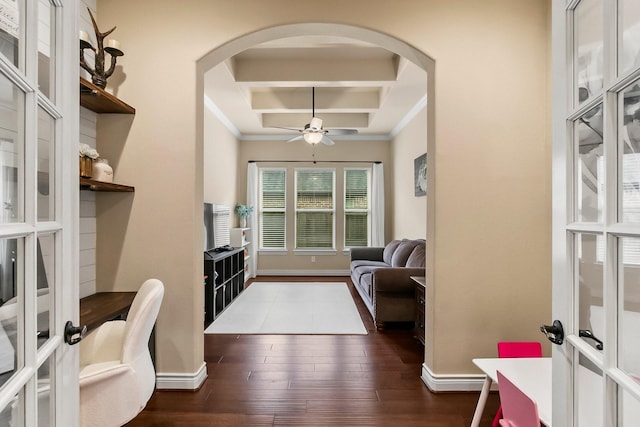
{"points": [[313, 132]]}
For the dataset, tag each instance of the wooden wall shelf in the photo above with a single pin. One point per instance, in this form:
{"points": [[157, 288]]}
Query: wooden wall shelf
{"points": [[93, 185], [100, 101]]}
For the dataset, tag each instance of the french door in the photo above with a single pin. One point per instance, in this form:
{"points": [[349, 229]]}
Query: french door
{"points": [[596, 211], [38, 267]]}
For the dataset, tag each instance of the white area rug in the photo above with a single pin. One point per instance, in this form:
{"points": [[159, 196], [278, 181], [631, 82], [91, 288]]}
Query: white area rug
{"points": [[291, 308]]}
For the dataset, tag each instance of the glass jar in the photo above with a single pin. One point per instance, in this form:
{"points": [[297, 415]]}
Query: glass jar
{"points": [[86, 167]]}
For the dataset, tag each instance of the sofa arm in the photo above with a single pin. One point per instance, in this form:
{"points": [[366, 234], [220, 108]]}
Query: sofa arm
{"points": [[370, 254], [395, 279]]}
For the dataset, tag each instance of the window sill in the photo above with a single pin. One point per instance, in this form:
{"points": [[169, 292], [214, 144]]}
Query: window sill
{"points": [[273, 252], [315, 252]]}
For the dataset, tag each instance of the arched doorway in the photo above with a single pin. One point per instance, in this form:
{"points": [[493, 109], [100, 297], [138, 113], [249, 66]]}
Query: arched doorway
{"points": [[240, 44], [224, 52]]}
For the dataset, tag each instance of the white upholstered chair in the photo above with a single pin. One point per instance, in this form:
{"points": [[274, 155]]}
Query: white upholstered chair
{"points": [[117, 376]]}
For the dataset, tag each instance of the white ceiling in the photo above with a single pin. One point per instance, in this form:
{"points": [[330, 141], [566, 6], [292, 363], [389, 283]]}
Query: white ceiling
{"points": [[358, 86]]}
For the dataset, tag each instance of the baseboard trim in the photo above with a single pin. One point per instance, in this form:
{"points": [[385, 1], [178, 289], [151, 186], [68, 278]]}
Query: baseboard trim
{"points": [[451, 382], [303, 273], [181, 381]]}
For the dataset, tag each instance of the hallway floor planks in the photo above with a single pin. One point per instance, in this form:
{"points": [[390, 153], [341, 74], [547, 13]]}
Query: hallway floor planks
{"points": [[307, 380]]}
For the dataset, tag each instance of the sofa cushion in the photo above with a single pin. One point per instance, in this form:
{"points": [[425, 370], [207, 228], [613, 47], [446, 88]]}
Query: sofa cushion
{"points": [[417, 257], [360, 262], [358, 272], [366, 269], [401, 254], [387, 254]]}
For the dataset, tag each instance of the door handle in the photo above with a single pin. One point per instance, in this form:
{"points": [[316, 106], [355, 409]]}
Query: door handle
{"points": [[554, 333], [586, 333], [73, 334]]}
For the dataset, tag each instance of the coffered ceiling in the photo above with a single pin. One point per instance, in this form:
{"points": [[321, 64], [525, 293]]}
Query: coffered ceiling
{"points": [[358, 86]]}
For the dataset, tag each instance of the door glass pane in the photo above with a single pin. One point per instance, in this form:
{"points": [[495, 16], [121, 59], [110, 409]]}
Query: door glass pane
{"points": [[46, 153], [590, 288], [45, 270], [11, 28], [629, 45], [11, 150], [629, 316], [13, 414], [11, 287], [588, 49], [46, 42], [629, 149], [45, 405], [628, 409], [588, 386], [590, 167]]}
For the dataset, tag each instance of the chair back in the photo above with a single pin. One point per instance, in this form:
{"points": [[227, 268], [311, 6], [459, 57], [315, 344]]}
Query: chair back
{"points": [[511, 349], [518, 409], [140, 320]]}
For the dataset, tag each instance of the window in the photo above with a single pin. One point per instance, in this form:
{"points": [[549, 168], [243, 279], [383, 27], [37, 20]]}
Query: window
{"points": [[273, 201], [315, 207], [356, 207]]}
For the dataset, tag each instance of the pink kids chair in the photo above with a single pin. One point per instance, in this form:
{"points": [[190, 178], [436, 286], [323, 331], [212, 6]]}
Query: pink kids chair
{"points": [[516, 349], [519, 410]]}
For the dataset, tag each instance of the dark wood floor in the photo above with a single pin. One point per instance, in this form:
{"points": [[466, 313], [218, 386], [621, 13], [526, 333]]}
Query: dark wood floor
{"points": [[314, 380]]}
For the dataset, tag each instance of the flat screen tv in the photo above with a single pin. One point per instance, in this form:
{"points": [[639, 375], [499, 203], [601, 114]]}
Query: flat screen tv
{"points": [[216, 226]]}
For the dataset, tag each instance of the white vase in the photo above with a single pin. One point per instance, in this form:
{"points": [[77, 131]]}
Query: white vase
{"points": [[243, 222], [102, 171]]}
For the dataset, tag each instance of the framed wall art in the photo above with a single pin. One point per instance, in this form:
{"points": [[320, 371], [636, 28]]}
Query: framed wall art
{"points": [[420, 175]]}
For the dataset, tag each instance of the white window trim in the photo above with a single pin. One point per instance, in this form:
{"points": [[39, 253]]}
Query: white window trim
{"points": [[345, 210], [315, 252], [296, 210], [261, 249]]}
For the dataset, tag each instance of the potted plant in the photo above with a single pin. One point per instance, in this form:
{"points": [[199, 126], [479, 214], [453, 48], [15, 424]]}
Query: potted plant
{"points": [[243, 211]]}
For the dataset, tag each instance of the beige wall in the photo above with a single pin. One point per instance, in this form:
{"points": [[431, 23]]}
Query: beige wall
{"points": [[489, 164], [342, 151], [220, 163], [409, 211]]}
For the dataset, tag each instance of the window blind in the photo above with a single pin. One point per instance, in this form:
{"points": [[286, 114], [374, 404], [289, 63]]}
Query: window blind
{"points": [[314, 208], [272, 208], [221, 217], [357, 207]]}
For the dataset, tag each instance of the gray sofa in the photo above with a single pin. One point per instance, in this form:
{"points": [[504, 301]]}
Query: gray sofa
{"points": [[382, 278]]}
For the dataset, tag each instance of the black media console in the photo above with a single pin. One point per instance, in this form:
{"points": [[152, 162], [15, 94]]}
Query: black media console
{"points": [[224, 272]]}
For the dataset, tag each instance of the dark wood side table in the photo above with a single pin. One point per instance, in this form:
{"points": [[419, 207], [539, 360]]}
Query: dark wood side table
{"points": [[419, 329], [104, 306]]}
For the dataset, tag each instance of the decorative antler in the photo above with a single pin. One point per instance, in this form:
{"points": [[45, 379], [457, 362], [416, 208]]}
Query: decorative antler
{"points": [[98, 75]]}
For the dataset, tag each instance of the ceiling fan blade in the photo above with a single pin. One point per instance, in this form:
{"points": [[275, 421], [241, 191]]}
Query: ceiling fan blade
{"points": [[326, 140], [342, 131], [280, 127], [296, 138]]}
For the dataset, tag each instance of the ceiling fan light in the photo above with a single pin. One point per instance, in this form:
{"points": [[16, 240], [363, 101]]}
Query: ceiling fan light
{"points": [[313, 138], [316, 123]]}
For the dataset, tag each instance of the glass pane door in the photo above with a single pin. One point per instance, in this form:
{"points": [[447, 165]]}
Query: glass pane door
{"points": [[38, 133], [601, 227]]}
